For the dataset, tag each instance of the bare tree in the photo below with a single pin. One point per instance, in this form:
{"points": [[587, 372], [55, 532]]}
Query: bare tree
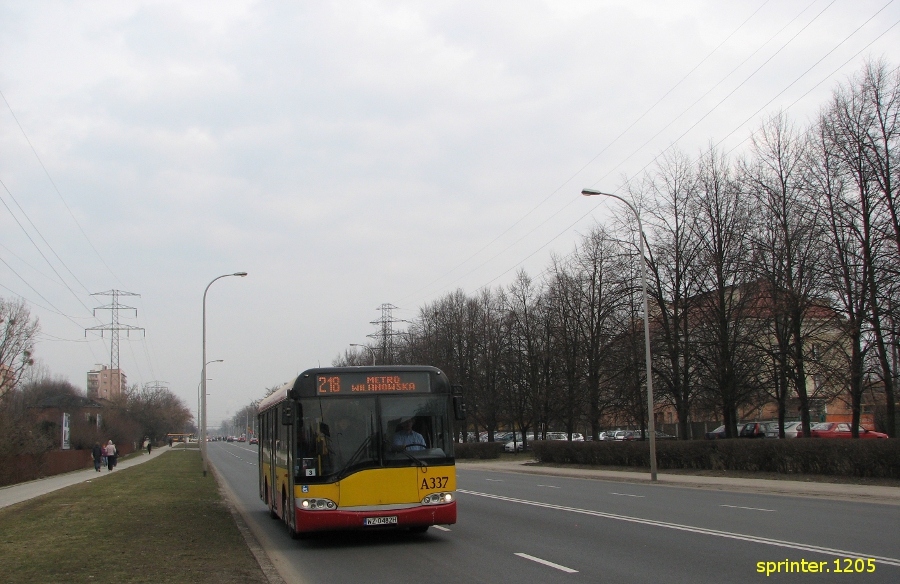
{"points": [[17, 335], [787, 256], [722, 329], [845, 184], [671, 195]]}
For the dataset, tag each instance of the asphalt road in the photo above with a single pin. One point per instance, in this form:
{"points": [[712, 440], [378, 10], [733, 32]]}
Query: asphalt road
{"points": [[526, 528]]}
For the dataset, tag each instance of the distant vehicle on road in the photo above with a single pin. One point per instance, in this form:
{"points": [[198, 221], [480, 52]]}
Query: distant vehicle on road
{"points": [[254, 440]]}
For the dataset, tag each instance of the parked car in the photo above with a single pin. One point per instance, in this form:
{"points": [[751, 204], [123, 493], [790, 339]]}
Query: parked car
{"points": [[716, 434], [610, 435], [793, 429], [514, 446], [623, 435], [841, 430], [744, 430], [639, 435], [754, 430]]}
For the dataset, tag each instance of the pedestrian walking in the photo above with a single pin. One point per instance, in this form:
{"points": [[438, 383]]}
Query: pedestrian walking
{"points": [[149, 446], [97, 454], [110, 455]]}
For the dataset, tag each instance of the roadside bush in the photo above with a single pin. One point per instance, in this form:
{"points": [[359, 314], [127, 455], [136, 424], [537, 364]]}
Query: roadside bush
{"points": [[860, 458], [480, 450]]}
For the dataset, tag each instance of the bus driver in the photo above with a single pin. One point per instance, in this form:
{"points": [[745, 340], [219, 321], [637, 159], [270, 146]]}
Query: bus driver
{"points": [[405, 438]]}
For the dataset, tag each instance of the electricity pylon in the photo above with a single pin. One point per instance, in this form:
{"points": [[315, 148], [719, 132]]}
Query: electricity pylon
{"points": [[114, 327]]}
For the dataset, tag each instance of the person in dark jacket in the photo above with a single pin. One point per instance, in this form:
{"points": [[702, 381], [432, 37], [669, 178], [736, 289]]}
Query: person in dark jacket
{"points": [[97, 454]]}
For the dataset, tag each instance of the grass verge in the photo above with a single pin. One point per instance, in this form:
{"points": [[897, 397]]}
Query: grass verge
{"points": [[161, 521]]}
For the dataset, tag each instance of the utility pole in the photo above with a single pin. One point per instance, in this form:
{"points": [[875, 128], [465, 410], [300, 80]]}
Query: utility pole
{"points": [[385, 334], [114, 327]]}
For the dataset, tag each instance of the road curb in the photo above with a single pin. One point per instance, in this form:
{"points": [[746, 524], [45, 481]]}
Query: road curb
{"points": [[238, 513]]}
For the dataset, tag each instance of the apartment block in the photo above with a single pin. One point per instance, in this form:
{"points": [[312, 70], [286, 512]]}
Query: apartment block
{"points": [[105, 383]]}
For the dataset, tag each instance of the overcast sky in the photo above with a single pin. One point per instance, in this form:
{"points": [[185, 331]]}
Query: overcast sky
{"points": [[348, 154]]}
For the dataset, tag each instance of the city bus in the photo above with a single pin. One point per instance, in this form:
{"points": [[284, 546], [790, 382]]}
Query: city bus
{"points": [[173, 437], [360, 448]]}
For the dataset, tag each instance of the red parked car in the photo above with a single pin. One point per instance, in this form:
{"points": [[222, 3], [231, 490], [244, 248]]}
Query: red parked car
{"points": [[841, 430]]}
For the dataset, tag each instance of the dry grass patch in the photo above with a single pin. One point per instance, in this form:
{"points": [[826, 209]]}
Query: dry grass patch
{"points": [[161, 521]]}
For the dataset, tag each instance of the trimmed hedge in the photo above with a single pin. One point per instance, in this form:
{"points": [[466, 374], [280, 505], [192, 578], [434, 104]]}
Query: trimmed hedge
{"points": [[859, 458], [480, 450]]}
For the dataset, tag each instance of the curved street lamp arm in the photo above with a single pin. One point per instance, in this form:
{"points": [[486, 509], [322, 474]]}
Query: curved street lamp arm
{"points": [[651, 425]]}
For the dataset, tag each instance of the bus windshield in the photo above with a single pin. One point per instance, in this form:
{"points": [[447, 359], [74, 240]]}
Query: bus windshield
{"points": [[338, 436]]}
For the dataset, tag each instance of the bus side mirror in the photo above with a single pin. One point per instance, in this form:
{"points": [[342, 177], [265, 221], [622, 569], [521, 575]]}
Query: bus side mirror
{"points": [[459, 407], [287, 416]]}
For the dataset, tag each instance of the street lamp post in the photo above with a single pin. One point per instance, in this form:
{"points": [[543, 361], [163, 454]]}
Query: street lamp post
{"points": [[651, 430], [199, 385], [203, 376], [371, 350]]}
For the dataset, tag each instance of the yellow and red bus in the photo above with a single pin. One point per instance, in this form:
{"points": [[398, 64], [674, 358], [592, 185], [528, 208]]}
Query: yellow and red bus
{"points": [[360, 448]]}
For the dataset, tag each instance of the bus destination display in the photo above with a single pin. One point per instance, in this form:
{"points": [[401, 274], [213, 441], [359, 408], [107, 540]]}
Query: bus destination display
{"points": [[372, 383]]}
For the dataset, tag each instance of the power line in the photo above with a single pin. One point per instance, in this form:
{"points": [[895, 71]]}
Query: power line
{"points": [[655, 158], [811, 89], [55, 188], [561, 209], [25, 231], [591, 161]]}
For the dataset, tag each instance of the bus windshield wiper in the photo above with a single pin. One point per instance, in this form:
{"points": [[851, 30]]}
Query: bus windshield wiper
{"points": [[419, 462], [356, 456]]}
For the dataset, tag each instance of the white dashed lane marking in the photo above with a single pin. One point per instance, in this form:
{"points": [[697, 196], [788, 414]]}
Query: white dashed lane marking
{"points": [[546, 563], [748, 508]]}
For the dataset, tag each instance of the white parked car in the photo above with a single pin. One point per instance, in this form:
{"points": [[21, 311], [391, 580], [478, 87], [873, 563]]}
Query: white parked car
{"points": [[513, 446], [791, 429]]}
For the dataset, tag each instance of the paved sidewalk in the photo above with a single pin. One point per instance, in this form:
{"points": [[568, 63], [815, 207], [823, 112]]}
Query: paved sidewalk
{"points": [[13, 494], [846, 492]]}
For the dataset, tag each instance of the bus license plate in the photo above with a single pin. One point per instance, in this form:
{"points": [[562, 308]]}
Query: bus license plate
{"points": [[392, 520]]}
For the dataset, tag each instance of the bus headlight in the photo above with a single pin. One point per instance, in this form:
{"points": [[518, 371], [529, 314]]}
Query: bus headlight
{"points": [[438, 499], [316, 505]]}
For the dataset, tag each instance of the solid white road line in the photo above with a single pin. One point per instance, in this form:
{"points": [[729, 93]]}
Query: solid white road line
{"points": [[700, 530], [546, 563], [441, 527], [748, 508], [627, 495]]}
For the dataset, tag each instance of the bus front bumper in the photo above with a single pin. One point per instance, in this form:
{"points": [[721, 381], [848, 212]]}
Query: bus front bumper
{"points": [[424, 515]]}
